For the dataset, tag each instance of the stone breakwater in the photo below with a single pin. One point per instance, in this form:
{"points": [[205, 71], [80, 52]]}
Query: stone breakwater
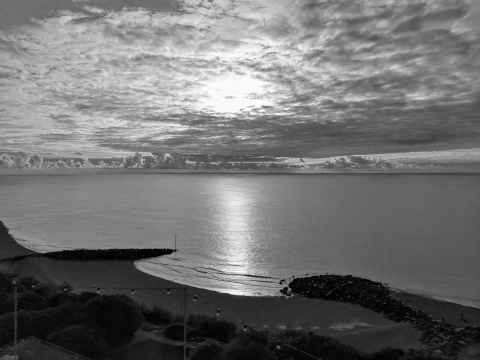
{"points": [[108, 254], [99, 254], [438, 336]]}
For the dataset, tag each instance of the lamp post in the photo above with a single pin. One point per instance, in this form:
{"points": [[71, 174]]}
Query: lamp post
{"points": [[15, 318], [185, 323]]}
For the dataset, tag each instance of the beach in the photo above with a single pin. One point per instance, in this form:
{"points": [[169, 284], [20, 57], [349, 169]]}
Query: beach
{"points": [[351, 324]]}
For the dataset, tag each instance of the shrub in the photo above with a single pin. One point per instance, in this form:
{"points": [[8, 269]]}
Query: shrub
{"points": [[420, 355], [209, 350], [31, 301], [6, 304], [246, 348], [62, 298], [157, 316], [174, 331], [117, 315], [5, 282], [220, 330], [80, 339], [44, 290], [39, 323], [388, 354], [84, 297]]}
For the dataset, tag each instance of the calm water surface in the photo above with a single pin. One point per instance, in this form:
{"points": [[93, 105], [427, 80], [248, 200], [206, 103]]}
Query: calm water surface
{"points": [[243, 233]]}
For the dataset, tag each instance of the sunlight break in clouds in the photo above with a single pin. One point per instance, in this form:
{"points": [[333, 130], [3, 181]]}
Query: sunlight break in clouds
{"points": [[231, 94], [293, 78]]}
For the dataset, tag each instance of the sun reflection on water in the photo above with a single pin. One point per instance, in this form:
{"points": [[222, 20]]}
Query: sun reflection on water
{"points": [[234, 211]]}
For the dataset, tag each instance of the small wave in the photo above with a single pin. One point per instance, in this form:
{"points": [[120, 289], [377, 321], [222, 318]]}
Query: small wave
{"points": [[192, 271]]}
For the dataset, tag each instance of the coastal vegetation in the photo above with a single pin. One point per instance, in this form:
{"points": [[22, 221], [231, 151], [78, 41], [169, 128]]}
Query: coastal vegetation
{"points": [[87, 323]]}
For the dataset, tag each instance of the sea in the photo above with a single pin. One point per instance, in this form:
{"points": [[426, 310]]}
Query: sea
{"points": [[246, 234]]}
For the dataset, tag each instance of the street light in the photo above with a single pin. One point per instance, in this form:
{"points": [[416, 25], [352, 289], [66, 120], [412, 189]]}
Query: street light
{"points": [[185, 323], [15, 317]]}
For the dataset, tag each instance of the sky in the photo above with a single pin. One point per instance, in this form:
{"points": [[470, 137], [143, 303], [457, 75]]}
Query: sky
{"points": [[274, 77]]}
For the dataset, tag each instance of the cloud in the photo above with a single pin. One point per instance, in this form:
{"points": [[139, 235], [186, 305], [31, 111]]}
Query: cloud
{"points": [[278, 77]]}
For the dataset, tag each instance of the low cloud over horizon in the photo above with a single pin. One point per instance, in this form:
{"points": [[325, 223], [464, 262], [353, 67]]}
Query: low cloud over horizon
{"points": [[277, 77]]}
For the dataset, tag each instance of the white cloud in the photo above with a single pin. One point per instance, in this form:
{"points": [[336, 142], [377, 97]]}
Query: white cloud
{"points": [[259, 75]]}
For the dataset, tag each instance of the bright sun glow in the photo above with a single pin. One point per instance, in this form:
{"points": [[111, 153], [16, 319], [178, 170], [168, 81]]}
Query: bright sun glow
{"points": [[233, 93]]}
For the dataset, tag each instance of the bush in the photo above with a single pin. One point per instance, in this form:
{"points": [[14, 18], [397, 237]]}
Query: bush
{"points": [[246, 348], [6, 303], [209, 350], [5, 283], [388, 354], [43, 290], [39, 323], [31, 301], [62, 298], [80, 339], [220, 330], [174, 332], [420, 355], [157, 316], [117, 315], [84, 297]]}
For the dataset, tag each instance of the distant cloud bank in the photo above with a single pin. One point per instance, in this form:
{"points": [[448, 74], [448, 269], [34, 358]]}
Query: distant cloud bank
{"points": [[421, 160]]}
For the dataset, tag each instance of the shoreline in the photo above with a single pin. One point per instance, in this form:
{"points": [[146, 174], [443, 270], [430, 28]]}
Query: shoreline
{"points": [[23, 243], [467, 303], [351, 324]]}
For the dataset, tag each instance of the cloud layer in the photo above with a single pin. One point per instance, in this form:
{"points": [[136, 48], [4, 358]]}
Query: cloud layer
{"points": [[277, 77]]}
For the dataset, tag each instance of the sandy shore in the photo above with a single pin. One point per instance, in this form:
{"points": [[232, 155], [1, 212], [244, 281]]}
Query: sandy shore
{"points": [[351, 324], [326, 317]]}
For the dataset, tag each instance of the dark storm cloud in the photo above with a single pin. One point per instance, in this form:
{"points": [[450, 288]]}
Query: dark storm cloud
{"points": [[280, 77]]}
